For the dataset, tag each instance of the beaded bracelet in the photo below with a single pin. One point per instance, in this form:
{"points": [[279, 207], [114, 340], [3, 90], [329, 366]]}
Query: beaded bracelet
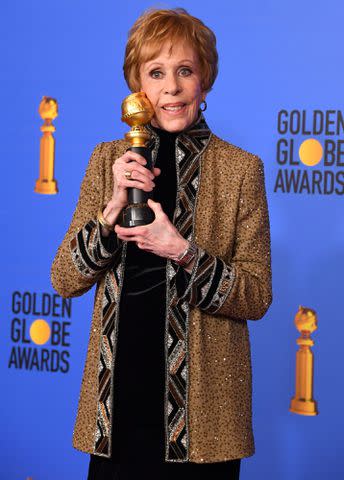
{"points": [[103, 222]]}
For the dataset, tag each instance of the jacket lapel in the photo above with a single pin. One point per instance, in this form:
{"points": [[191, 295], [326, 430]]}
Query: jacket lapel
{"points": [[189, 147]]}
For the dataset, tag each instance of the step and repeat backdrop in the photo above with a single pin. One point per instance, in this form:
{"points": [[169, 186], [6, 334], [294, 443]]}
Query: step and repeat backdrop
{"points": [[279, 94]]}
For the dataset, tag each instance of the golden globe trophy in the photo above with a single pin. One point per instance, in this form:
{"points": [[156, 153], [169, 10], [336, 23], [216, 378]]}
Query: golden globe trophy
{"points": [[137, 111], [46, 182], [303, 402]]}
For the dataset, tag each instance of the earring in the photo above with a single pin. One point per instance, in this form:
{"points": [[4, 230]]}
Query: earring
{"points": [[204, 106]]}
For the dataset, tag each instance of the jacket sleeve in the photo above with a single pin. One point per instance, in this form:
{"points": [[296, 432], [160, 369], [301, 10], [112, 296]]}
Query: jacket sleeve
{"points": [[240, 288], [84, 254]]}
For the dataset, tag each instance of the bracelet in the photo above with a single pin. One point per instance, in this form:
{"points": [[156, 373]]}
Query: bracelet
{"points": [[103, 222], [187, 256]]}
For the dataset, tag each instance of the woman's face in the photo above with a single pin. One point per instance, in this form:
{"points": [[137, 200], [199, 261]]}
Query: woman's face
{"points": [[172, 83]]}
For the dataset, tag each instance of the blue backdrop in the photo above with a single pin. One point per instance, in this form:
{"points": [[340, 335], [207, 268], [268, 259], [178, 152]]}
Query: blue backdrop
{"points": [[274, 56]]}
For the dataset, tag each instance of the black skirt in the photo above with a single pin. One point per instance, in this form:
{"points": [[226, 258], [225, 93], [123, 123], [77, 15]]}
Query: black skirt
{"points": [[181, 471]]}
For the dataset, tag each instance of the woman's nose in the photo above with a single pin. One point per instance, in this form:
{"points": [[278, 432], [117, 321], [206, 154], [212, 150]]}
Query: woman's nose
{"points": [[172, 85]]}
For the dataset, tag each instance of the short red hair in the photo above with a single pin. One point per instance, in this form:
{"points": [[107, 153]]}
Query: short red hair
{"points": [[156, 27]]}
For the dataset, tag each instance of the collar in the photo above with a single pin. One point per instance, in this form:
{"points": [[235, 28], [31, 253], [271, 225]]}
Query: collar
{"points": [[196, 136]]}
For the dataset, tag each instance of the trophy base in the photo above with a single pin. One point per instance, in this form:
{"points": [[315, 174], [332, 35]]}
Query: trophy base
{"points": [[303, 407], [137, 214], [48, 187]]}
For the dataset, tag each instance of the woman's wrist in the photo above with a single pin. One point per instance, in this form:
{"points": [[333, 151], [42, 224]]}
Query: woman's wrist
{"points": [[186, 255], [109, 215], [180, 246]]}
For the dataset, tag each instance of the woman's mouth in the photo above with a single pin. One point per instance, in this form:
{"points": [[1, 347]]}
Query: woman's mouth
{"points": [[173, 107]]}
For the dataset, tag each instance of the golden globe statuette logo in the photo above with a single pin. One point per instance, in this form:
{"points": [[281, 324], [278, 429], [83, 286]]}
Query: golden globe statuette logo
{"points": [[311, 152], [40, 331], [46, 183], [303, 402]]}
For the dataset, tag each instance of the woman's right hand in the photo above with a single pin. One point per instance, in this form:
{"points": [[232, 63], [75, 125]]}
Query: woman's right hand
{"points": [[141, 178]]}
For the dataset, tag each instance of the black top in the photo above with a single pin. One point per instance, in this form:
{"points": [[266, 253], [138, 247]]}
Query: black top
{"points": [[139, 377]]}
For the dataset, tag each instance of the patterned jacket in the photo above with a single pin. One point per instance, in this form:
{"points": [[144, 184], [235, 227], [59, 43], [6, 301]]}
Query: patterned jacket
{"points": [[221, 206]]}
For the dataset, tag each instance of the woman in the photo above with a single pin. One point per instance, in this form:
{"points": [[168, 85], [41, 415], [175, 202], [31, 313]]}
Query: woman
{"points": [[166, 388]]}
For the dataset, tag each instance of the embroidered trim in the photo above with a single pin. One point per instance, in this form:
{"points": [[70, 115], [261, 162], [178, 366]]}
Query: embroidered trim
{"points": [[193, 274], [223, 290], [154, 143], [210, 283], [108, 346], [88, 255], [102, 249], [202, 282], [189, 146]]}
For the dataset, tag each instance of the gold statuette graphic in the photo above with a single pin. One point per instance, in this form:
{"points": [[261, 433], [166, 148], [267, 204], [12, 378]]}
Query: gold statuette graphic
{"points": [[303, 402], [46, 182]]}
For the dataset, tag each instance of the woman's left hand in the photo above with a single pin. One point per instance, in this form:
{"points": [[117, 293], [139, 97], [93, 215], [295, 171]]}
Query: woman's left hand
{"points": [[159, 237]]}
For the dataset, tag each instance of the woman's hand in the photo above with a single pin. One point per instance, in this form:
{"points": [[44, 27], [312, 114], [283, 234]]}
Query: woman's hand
{"points": [[159, 237], [141, 178]]}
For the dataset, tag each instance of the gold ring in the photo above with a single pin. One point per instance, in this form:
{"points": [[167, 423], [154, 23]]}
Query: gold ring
{"points": [[127, 174]]}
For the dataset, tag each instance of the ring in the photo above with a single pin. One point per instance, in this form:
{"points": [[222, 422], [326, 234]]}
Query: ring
{"points": [[127, 174]]}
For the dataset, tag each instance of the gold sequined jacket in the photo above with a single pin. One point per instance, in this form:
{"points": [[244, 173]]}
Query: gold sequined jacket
{"points": [[221, 206]]}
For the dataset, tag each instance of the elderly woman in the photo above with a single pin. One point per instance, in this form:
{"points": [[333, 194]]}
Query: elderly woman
{"points": [[166, 388]]}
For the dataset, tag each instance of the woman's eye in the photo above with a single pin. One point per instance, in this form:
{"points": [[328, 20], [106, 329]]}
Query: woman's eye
{"points": [[156, 74], [185, 72]]}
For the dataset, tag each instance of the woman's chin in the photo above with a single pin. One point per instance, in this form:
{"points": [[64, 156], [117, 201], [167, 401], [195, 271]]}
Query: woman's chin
{"points": [[172, 124]]}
